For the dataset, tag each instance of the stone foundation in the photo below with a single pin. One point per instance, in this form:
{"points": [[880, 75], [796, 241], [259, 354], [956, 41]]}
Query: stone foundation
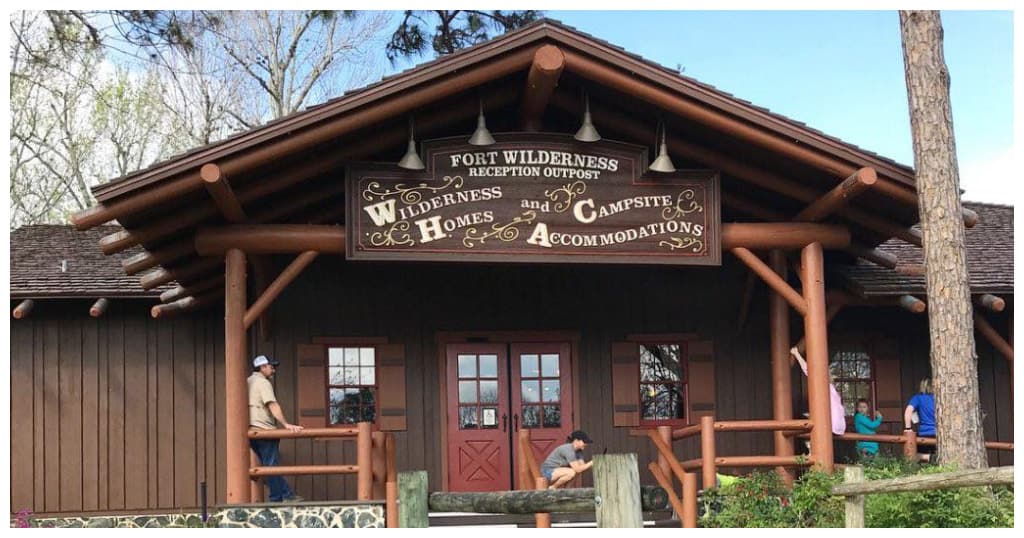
{"points": [[304, 515]]}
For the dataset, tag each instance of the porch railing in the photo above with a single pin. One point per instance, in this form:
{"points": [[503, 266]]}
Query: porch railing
{"points": [[909, 440], [376, 474]]}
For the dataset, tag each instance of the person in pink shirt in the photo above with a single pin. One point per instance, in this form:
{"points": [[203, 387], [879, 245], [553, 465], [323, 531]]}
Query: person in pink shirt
{"points": [[835, 401]]}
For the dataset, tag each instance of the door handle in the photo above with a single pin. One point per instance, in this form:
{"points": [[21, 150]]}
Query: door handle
{"points": [[504, 422], [515, 422]]}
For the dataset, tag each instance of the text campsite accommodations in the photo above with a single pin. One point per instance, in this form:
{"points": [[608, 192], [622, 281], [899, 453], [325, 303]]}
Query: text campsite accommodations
{"points": [[646, 270]]}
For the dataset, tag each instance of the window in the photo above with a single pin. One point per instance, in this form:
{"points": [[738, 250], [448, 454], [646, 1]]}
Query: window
{"points": [[541, 387], [852, 374], [662, 383], [478, 391], [351, 384]]}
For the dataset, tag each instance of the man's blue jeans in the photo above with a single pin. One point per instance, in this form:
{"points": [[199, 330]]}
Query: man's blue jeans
{"points": [[269, 453]]}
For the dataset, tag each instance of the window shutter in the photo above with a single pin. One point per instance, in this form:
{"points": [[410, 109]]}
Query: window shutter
{"points": [[391, 387], [626, 383], [701, 381], [888, 388], [312, 385]]}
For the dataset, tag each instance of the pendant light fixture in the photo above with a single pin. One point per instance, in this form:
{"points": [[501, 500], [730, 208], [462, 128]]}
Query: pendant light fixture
{"points": [[411, 160], [587, 132], [481, 137], [663, 163]]}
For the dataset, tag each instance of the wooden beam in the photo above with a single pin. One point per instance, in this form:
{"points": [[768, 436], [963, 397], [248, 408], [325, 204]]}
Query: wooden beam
{"points": [[728, 164], [931, 481], [185, 304], [816, 329], [161, 276], [236, 369], [989, 301], [165, 255], [910, 269], [911, 304], [278, 285], [241, 154], [271, 239], [23, 309], [971, 218], [541, 81], [841, 195], [782, 235], [205, 284], [782, 397], [873, 255], [982, 325], [99, 307], [771, 278], [220, 190]]}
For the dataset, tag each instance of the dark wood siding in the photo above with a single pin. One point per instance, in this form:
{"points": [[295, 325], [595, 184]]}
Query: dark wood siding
{"points": [[125, 412]]}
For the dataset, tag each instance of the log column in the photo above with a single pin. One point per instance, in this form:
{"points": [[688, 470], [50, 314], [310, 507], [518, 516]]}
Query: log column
{"points": [[782, 401], [815, 323], [236, 402]]}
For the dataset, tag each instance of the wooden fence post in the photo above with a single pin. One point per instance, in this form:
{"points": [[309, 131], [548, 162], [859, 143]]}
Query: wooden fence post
{"points": [[364, 460], [707, 451], [617, 491], [412, 500], [854, 503], [542, 520], [910, 445], [689, 514]]}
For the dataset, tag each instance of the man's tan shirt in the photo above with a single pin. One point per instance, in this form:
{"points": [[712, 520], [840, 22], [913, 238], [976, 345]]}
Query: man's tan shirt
{"points": [[261, 393]]}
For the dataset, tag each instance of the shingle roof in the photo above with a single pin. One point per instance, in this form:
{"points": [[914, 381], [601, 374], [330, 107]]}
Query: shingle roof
{"points": [[37, 253], [989, 259]]}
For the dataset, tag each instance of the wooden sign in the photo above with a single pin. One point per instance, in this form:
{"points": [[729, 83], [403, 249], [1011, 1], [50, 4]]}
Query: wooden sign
{"points": [[533, 198]]}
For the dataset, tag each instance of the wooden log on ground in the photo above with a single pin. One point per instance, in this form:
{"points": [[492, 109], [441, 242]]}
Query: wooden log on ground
{"points": [[271, 239], [220, 190], [541, 81], [532, 501], [990, 302], [954, 479], [841, 195], [99, 307], [783, 235], [854, 474], [23, 309], [412, 500], [617, 491], [770, 277]]}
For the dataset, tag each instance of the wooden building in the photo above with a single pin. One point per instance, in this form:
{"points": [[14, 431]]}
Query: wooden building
{"points": [[544, 281]]}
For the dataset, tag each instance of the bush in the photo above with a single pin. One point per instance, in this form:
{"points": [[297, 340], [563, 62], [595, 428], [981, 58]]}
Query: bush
{"points": [[761, 500]]}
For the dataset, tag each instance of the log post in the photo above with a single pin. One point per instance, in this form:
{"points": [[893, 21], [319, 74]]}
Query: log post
{"points": [[364, 460], [542, 520], [23, 309], [379, 465], [707, 451], [689, 514], [391, 484], [236, 399], [617, 491], [665, 433], [412, 500], [99, 307], [910, 445], [541, 81], [782, 399], [841, 195], [815, 330], [255, 483], [991, 302], [220, 190], [854, 503]]}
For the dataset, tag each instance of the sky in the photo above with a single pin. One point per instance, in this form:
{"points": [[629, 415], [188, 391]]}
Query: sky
{"points": [[840, 72]]}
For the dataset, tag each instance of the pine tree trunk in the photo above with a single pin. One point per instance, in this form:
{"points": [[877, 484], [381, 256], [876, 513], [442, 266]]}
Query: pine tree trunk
{"points": [[951, 328]]}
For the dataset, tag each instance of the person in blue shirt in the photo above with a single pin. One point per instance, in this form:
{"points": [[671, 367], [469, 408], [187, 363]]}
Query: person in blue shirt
{"points": [[922, 408], [863, 424]]}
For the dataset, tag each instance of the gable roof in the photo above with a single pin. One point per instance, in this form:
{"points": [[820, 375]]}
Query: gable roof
{"points": [[38, 253], [989, 259]]}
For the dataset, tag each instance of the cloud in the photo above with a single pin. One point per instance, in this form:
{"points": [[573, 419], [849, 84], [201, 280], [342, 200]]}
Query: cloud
{"points": [[994, 178]]}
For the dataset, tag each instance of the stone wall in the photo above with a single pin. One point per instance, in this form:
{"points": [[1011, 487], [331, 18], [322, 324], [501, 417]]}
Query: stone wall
{"points": [[306, 515]]}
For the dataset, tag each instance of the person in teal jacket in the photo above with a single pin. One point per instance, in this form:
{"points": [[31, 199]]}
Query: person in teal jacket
{"points": [[862, 424]]}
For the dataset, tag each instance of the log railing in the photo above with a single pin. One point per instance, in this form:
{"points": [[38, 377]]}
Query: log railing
{"points": [[376, 474], [530, 477], [909, 440], [855, 488]]}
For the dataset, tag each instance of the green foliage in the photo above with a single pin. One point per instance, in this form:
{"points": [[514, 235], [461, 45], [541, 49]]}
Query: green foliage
{"points": [[454, 30], [761, 500]]}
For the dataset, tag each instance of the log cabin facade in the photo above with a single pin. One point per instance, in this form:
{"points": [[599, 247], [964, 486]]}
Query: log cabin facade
{"points": [[131, 407]]}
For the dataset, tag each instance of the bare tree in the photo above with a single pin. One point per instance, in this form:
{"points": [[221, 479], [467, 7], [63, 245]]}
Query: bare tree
{"points": [[452, 31], [953, 357]]}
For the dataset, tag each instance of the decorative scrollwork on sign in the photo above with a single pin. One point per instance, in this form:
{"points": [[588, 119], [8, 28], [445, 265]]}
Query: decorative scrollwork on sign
{"points": [[409, 195], [505, 232], [570, 191], [679, 243], [686, 203], [388, 239]]}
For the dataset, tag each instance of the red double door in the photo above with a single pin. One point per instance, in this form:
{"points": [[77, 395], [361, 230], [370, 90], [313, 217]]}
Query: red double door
{"points": [[493, 391]]}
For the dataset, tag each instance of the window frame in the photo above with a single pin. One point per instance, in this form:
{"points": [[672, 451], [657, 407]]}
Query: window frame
{"points": [[348, 344], [684, 372], [856, 344]]}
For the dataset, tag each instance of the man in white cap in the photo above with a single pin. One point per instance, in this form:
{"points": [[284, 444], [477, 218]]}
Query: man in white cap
{"points": [[263, 411]]}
